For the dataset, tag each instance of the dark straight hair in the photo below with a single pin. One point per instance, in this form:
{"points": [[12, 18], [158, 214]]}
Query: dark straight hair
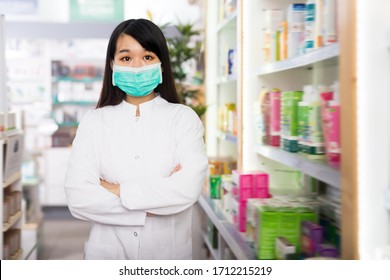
{"points": [[151, 39]]}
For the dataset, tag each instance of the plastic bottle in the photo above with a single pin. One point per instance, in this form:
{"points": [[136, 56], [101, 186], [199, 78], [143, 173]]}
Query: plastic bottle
{"points": [[296, 29], [310, 21], [333, 112]]}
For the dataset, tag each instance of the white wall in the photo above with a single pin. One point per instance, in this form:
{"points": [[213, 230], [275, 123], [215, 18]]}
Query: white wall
{"points": [[373, 72]]}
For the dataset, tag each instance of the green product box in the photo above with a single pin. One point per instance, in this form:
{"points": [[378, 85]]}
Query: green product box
{"points": [[215, 186], [289, 227], [269, 221]]}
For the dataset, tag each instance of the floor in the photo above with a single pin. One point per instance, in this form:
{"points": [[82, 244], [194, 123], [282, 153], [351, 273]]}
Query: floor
{"points": [[62, 236]]}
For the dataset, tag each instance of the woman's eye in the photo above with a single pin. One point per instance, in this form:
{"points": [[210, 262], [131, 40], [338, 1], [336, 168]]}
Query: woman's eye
{"points": [[148, 57], [126, 58]]}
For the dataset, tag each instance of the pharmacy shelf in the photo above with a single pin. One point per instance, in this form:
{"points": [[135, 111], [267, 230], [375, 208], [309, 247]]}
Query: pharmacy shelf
{"points": [[31, 182], [12, 221], [77, 103], [327, 55], [12, 179], [17, 255], [314, 168], [10, 133], [227, 22], [77, 79], [213, 252], [227, 137], [226, 81], [233, 238], [68, 124]]}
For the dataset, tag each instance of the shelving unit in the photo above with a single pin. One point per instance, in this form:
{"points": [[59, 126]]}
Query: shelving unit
{"points": [[314, 168], [228, 137], [12, 179], [320, 66], [213, 252], [325, 56], [11, 162], [75, 87], [12, 221], [11, 153], [230, 234]]}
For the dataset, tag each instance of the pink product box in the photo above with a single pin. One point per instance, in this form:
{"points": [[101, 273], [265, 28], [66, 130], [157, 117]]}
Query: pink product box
{"points": [[242, 179], [260, 185], [242, 193], [250, 185], [239, 214], [242, 217]]}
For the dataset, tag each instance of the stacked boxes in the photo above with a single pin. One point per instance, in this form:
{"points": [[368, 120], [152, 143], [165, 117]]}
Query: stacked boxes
{"points": [[277, 217], [247, 185], [313, 242]]}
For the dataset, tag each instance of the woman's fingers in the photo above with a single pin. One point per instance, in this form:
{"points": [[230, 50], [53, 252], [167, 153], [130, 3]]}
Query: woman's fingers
{"points": [[176, 169]]}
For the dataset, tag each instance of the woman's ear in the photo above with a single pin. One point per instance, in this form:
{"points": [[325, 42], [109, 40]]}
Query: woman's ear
{"points": [[112, 64]]}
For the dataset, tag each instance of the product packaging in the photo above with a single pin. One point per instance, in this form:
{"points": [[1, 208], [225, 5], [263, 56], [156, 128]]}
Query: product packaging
{"points": [[274, 118], [296, 29]]}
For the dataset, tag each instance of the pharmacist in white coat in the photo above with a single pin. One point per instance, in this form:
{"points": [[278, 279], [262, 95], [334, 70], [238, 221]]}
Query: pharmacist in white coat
{"points": [[138, 161]]}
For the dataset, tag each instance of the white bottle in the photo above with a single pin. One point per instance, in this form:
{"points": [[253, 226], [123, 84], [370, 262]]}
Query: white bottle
{"points": [[310, 21]]}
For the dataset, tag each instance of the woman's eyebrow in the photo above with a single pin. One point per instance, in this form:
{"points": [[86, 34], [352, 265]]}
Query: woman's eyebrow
{"points": [[124, 50]]}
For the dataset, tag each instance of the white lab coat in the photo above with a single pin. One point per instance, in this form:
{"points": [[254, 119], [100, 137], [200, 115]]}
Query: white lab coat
{"points": [[139, 154]]}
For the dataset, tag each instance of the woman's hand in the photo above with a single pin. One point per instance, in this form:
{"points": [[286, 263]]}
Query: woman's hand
{"points": [[177, 168], [113, 188]]}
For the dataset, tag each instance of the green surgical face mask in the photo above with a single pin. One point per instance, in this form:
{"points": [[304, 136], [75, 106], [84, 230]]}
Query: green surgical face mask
{"points": [[138, 81]]}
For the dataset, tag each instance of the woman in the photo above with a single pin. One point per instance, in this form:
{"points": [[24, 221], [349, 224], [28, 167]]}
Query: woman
{"points": [[138, 161]]}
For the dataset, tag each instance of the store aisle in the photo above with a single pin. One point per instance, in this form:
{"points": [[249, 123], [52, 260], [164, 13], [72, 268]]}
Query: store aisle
{"points": [[62, 236]]}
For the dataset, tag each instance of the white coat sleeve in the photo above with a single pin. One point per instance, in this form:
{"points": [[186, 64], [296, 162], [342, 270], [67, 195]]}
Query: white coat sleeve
{"points": [[170, 195], [87, 199]]}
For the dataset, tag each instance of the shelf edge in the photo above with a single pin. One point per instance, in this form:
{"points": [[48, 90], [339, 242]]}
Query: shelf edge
{"points": [[322, 54], [317, 170]]}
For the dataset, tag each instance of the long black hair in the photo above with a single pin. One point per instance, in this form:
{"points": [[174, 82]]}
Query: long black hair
{"points": [[151, 39]]}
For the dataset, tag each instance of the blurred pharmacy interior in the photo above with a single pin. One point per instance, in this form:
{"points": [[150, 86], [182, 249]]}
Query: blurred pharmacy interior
{"points": [[294, 98]]}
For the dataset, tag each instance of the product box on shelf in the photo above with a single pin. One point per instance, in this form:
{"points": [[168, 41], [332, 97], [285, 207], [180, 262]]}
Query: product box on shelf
{"points": [[328, 250], [221, 165], [226, 194], [13, 154], [311, 238], [280, 218], [253, 184], [283, 248]]}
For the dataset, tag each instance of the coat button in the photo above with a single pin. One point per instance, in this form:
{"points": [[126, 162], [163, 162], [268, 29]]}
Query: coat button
{"points": [[135, 234], [136, 157]]}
